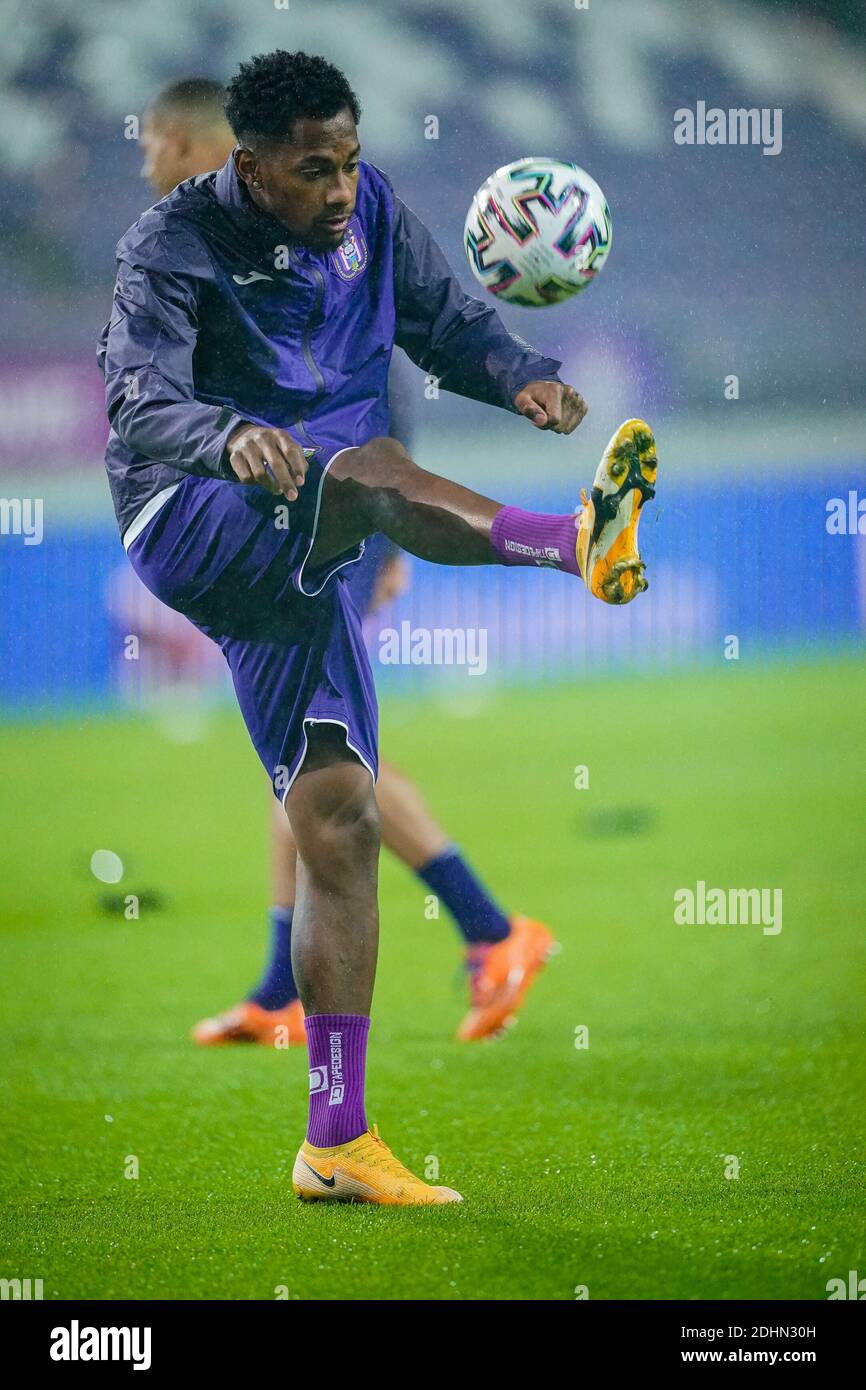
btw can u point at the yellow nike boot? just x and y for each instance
(364, 1170)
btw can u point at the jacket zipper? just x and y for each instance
(306, 340)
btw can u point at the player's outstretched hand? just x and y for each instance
(269, 457)
(551, 406)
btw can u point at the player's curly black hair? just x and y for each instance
(273, 90)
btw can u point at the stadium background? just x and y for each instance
(725, 262)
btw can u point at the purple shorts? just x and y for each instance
(292, 639)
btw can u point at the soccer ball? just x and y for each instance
(537, 232)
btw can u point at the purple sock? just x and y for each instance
(471, 906)
(535, 538)
(337, 1046)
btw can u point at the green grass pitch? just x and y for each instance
(601, 1167)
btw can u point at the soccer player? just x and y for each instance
(246, 360)
(185, 133)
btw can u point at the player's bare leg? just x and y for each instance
(378, 487)
(335, 823)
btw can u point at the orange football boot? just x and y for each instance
(364, 1170)
(250, 1023)
(500, 973)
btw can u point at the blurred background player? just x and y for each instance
(185, 133)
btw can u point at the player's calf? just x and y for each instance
(335, 823)
(378, 487)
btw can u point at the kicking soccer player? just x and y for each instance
(246, 364)
(185, 133)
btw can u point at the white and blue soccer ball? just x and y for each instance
(537, 232)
